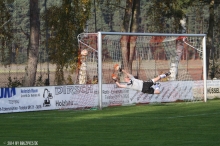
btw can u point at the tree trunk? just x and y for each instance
(179, 51)
(134, 28)
(31, 67)
(124, 39)
(125, 51)
(210, 34)
(128, 43)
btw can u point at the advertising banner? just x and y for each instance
(170, 92)
(113, 96)
(87, 96)
(26, 99)
(76, 96)
(213, 89)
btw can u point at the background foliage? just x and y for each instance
(65, 19)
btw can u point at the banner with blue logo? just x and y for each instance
(25, 99)
(86, 96)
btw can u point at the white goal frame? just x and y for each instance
(99, 42)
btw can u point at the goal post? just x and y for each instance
(204, 67)
(184, 55)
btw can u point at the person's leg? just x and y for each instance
(156, 88)
(160, 77)
(157, 91)
(156, 79)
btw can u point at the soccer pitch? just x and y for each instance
(171, 124)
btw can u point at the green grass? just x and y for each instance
(173, 124)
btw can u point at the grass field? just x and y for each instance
(173, 124)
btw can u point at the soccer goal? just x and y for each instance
(146, 55)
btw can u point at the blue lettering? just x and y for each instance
(7, 92)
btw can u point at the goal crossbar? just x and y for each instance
(99, 42)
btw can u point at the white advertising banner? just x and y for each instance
(76, 96)
(112, 95)
(213, 89)
(26, 99)
(170, 92)
(47, 98)
(86, 96)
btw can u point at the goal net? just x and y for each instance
(146, 56)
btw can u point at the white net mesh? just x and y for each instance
(152, 55)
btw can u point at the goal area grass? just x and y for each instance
(169, 124)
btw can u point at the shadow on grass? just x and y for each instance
(153, 124)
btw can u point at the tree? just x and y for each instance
(177, 9)
(5, 33)
(65, 23)
(209, 44)
(31, 67)
(168, 12)
(130, 24)
(210, 33)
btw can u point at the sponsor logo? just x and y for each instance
(28, 107)
(30, 93)
(7, 92)
(47, 95)
(13, 101)
(8, 108)
(13, 108)
(213, 90)
(64, 103)
(29, 90)
(73, 89)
